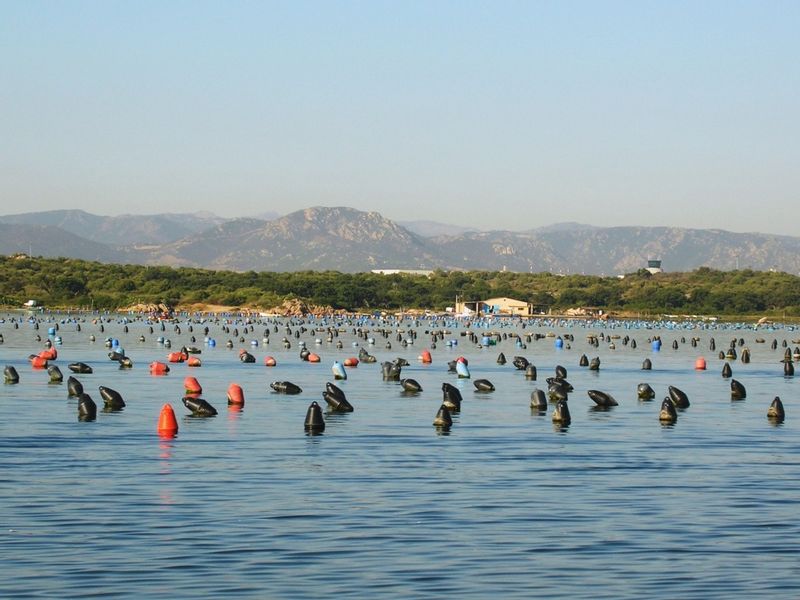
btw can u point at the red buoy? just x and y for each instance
(167, 423)
(192, 386)
(351, 362)
(176, 357)
(158, 368)
(700, 364)
(49, 354)
(235, 394)
(193, 362)
(37, 362)
(270, 361)
(425, 357)
(314, 358)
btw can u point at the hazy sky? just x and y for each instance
(498, 115)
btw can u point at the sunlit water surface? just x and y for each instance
(246, 504)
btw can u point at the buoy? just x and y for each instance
(483, 385)
(538, 400)
(334, 396)
(158, 368)
(55, 374)
(314, 422)
(425, 357)
(410, 385)
(313, 358)
(530, 372)
(176, 357)
(87, 409)
(351, 361)
(74, 387)
(193, 362)
(270, 361)
(700, 364)
(37, 362)
(167, 423)
(776, 412)
(199, 407)
(235, 394)
(112, 399)
(462, 370)
(49, 354)
(192, 386)
(79, 367)
(338, 370)
(443, 420)
(11, 375)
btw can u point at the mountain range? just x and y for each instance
(349, 240)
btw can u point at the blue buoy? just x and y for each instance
(559, 342)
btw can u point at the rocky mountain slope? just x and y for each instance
(349, 240)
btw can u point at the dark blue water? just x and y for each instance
(246, 504)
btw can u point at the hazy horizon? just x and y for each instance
(507, 115)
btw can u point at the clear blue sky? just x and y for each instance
(498, 115)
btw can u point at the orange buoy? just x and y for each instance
(425, 357)
(192, 386)
(270, 361)
(313, 357)
(700, 364)
(176, 357)
(351, 362)
(235, 394)
(463, 360)
(49, 354)
(37, 362)
(158, 368)
(167, 423)
(193, 362)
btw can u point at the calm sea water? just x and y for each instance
(245, 504)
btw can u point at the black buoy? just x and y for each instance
(55, 374)
(737, 390)
(726, 370)
(87, 409)
(285, 387)
(538, 400)
(561, 413)
(112, 399)
(443, 420)
(647, 365)
(451, 397)
(411, 385)
(314, 422)
(10, 374)
(775, 411)
(199, 407)
(678, 397)
(501, 359)
(74, 387)
(483, 385)
(594, 365)
(530, 372)
(668, 414)
(645, 392)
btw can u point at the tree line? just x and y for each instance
(73, 283)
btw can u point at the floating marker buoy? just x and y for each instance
(538, 400)
(270, 361)
(112, 399)
(55, 374)
(338, 370)
(199, 407)
(561, 414)
(74, 387)
(285, 387)
(775, 412)
(192, 386)
(158, 368)
(645, 392)
(700, 364)
(668, 414)
(425, 357)
(483, 385)
(443, 420)
(80, 367)
(193, 362)
(37, 362)
(314, 423)
(411, 385)
(87, 409)
(235, 394)
(167, 423)
(462, 370)
(351, 361)
(10, 374)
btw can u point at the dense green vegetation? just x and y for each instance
(63, 283)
